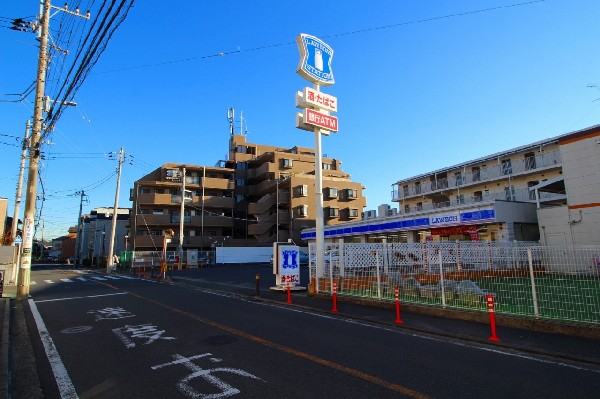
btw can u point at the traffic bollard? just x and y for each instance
(490, 305)
(289, 293)
(398, 319)
(257, 284)
(334, 309)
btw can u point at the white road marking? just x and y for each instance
(49, 281)
(99, 278)
(66, 280)
(32, 283)
(112, 278)
(81, 297)
(65, 385)
(81, 279)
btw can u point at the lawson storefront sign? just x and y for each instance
(389, 225)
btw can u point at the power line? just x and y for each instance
(354, 32)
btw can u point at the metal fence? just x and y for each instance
(526, 279)
(153, 259)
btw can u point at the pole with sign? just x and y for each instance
(315, 66)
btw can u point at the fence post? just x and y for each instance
(385, 257)
(458, 256)
(536, 310)
(489, 246)
(442, 279)
(424, 255)
(378, 275)
(341, 257)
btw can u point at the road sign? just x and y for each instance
(18, 240)
(315, 60)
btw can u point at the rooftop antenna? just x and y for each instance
(242, 120)
(230, 117)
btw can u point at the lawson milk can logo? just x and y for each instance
(315, 60)
(290, 259)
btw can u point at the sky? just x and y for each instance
(421, 85)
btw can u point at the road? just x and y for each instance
(120, 336)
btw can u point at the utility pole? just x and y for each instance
(34, 158)
(79, 237)
(111, 245)
(181, 216)
(13, 232)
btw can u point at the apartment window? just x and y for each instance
(458, 178)
(333, 212)
(476, 172)
(145, 212)
(144, 191)
(405, 190)
(240, 182)
(460, 199)
(478, 196)
(352, 213)
(506, 167)
(406, 208)
(332, 192)
(157, 212)
(303, 211)
(287, 163)
(530, 161)
(159, 191)
(419, 206)
(241, 166)
(303, 190)
(241, 149)
(509, 193)
(174, 191)
(351, 193)
(418, 187)
(532, 192)
(327, 166)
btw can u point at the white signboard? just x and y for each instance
(192, 258)
(28, 232)
(316, 99)
(286, 264)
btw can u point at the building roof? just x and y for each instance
(541, 143)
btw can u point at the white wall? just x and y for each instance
(243, 254)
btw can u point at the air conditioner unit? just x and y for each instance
(372, 214)
(392, 212)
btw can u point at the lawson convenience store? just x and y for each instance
(493, 221)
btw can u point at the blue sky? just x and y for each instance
(421, 84)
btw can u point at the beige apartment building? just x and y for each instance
(208, 212)
(275, 191)
(576, 222)
(260, 195)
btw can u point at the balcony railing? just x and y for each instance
(515, 167)
(523, 195)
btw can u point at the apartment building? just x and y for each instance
(208, 213)
(275, 191)
(94, 242)
(498, 197)
(576, 222)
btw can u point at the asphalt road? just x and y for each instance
(198, 337)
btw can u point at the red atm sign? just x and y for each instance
(321, 120)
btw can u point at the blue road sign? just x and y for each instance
(18, 240)
(315, 60)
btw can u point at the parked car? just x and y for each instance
(303, 258)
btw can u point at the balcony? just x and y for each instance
(500, 171)
(523, 195)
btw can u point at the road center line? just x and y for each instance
(80, 297)
(65, 385)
